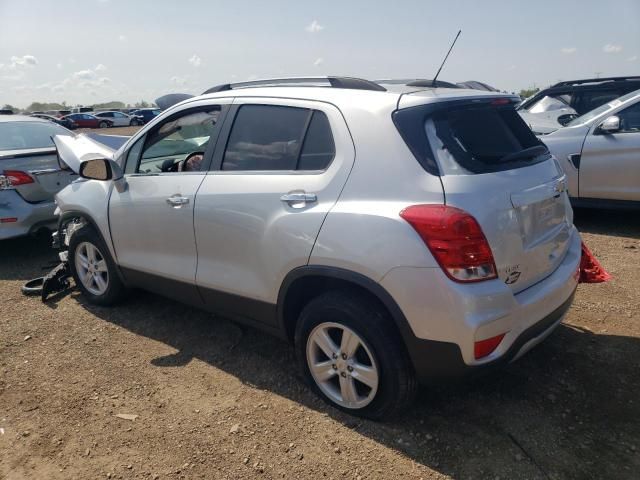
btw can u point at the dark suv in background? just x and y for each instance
(553, 107)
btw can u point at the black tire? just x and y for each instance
(397, 384)
(103, 125)
(115, 290)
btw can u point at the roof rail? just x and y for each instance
(334, 82)
(594, 80)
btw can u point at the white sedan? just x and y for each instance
(119, 119)
(600, 153)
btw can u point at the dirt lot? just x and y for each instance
(217, 401)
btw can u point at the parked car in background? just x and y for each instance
(86, 120)
(64, 121)
(146, 114)
(119, 119)
(6, 111)
(57, 113)
(29, 174)
(476, 85)
(81, 110)
(600, 152)
(357, 259)
(553, 107)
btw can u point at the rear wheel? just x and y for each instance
(93, 269)
(353, 357)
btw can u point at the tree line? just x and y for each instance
(44, 106)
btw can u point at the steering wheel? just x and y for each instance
(183, 163)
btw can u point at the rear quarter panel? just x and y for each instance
(364, 232)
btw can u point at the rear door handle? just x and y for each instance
(177, 200)
(299, 198)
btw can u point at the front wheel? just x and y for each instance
(353, 357)
(93, 268)
(103, 125)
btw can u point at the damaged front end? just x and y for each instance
(59, 278)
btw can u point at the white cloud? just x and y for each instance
(568, 50)
(58, 66)
(632, 58)
(314, 27)
(24, 60)
(100, 68)
(122, 38)
(85, 74)
(195, 60)
(19, 62)
(318, 62)
(512, 67)
(611, 48)
(179, 81)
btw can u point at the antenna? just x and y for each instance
(445, 58)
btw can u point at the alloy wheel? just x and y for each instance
(342, 365)
(91, 268)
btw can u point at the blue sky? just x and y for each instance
(86, 51)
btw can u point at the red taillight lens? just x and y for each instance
(16, 177)
(485, 347)
(455, 239)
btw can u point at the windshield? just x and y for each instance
(26, 135)
(547, 104)
(602, 109)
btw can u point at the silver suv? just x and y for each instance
(394, 234)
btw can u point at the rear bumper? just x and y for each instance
(446, 319)
(31, 216)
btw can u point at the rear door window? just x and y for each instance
(268, 137)
(318, 149)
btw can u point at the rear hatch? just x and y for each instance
(28, 159)
(493, 167)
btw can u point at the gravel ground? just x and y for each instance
(212, 400)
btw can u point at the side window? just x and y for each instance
(318, 149)
(134, 155)
(588, 101)
(265, 137)
(179, 144)
(630, 119)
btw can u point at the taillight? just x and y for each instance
(455, 240)
(16, 177)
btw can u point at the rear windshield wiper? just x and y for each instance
(530, 152)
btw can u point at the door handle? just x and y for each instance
(177, 200)
(299, 199)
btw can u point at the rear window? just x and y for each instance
(26, 135)
(462, 138)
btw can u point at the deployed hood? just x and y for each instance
(540, 123)
(72, 151)
(171, 99)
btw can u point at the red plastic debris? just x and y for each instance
(590, 269)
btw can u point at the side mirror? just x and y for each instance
(610, 125)
(101, 169)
